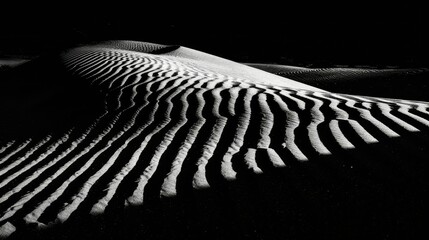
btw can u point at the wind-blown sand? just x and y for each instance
(135, 140)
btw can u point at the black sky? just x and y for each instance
(350, 35)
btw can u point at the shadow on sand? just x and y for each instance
(371, 192)
(40, 97)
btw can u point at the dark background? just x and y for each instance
(303, 34)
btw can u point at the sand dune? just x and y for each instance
(388, 82)
(174, 123)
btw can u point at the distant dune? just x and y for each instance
(12, 62)
(133, 140)
(404, 83)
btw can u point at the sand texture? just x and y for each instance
(131, 140)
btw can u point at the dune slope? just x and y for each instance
(403, 83)
(140, 140)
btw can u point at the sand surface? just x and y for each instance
(404, 83)
(134, 140)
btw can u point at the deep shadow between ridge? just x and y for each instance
(374, 191)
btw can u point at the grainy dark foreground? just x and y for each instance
(130, 140)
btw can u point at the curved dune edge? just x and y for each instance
(398, 83)
(178, 120)
(206, 61)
